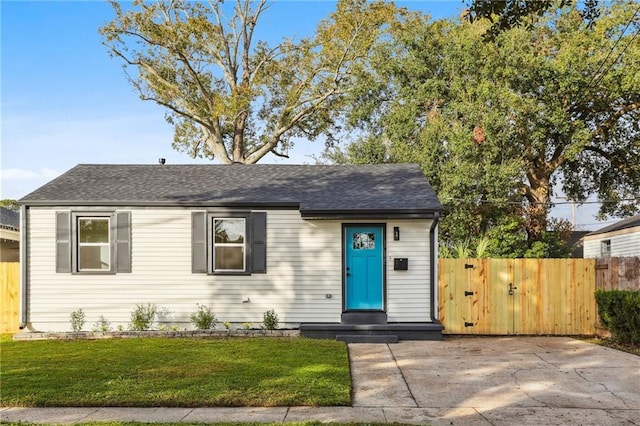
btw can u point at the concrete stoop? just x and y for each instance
(372, 333)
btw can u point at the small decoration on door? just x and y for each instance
(364, 241)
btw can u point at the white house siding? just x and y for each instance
(408, 292)
(304, 265)
(625, 242)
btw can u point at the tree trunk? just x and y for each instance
(238, 138)
(538, 194)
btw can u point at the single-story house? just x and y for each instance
(336, 250)
(9, 235)
(620, 239)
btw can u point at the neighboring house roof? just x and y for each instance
(629, 222)
(576, 243)
(9, 219)
(314, 189)
(9, 226)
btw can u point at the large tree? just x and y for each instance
(499, 125)
(229, 96)
(507, 14)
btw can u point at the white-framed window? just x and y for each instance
(94, 243)
(605, 248)
(229, 244)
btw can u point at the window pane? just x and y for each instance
(364, 241)
(93, 230)
(229, 230)
(229, 258)
(93, 257)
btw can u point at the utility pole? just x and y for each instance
(573, 210)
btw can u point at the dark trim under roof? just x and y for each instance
(393, 190)
(629, 222)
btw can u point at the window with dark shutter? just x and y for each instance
(63, 242)
(259, 242)
(93, 242)
(123, 242)
(199, 242)
(229, 242)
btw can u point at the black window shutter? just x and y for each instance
(123, 242)
(199, 242)
(63, 242)
(259, 242)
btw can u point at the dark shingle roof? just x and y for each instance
(9, 219)
(398, 188)
(629, 222)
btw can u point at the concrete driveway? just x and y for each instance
(498, 381)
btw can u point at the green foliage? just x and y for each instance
(142, 317)
(158, 372)
(619, 312)
(203, 318)
(77, 320)
(227, 325)
(507, 14)
(270, 320)
(102, 325)
(498, 126)
(10, 204)
(246, 326)
(507, 238)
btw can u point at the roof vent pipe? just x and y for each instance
(162, 161)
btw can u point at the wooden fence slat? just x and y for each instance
(10, 291)
(550, 296)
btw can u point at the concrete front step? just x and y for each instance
(403, 331)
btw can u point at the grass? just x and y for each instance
(150, 372)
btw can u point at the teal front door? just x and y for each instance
(363, 267)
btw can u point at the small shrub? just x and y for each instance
(120, 327)
(270, 320)
(142, 317)
(203, 318)
(619, 312)
(102, 325)
(247, 325)
(77, 320)
(227, 325)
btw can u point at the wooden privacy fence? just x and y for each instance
(517, 296)
(10, 290)
(618, 273)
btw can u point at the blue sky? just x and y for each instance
(65, 101)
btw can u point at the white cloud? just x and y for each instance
(17, 182)
(18, 174)
(23, 174)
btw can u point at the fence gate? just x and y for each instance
(517, 296)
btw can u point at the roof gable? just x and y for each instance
(629, 222)
(311, 188)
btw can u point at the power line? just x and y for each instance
(593, 77)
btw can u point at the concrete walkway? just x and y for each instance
(459, 381)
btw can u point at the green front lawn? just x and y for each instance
(150, 372)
